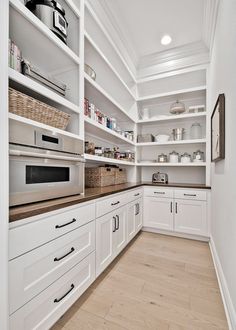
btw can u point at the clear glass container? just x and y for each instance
(162, 158)
(174, 157)
(198, 156)
(185, 158)
(177, 108)
(196, 131)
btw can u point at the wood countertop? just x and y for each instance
(33, 209)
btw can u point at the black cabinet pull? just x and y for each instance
(58, 300)
(118, 222)
(159, 192)
(66, 224)
(116, 203)
(137, 209)
(191, 195)
(137, 194)
(114, 225)
(171, 207)
(58, 259)
(176, 208)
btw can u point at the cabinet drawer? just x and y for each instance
(35, 271)
(46, 308)
(191, 194)
(159, 192)
(111, 203)
(134, 194)
(31, 235)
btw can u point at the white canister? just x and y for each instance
(145, 113)
(186, 158)
(174, 157)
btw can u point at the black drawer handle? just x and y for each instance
(191, 195)
(137, 194)
(58, 259)
(176, 208)
(171, 207)
(159, 192)
(58, 300)
(66, 224)
(116, 203)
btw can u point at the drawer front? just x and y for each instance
(46, 308)
(158, 192)
(109, 204)
(134, 194)
(35, 271)
(191, 194)
(31, 235)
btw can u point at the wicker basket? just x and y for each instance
(99, 177)
(120, 176)
(28, 107)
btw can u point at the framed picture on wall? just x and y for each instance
(218, 130)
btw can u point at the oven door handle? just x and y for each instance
(14, 152)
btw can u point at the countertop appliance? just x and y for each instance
(52, 14)
(43, 164)
(159, 177)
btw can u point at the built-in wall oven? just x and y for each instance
(44, 164)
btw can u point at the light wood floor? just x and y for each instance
(159, 283)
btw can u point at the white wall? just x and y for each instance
(222, 79)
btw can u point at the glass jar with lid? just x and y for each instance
(198, 156)
(185, 158)
(196, 131)
(162, 158)
(174, 157)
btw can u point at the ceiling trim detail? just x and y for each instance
(210, 18)
(159, 63)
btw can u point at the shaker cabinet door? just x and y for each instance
(158, 213)
(120, 240)
(191, 217)
(105, 228)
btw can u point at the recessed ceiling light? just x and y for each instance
(166, 40)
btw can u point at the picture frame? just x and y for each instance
(218, 130)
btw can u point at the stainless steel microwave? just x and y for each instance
(43, 164)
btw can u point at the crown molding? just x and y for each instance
(173, 59)
(209, 22)
(116, 37)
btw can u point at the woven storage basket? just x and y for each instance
(99, 177)
(120, 176)
(28, 107)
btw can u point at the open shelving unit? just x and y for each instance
(115, 92)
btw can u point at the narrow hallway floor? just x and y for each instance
(159, 283)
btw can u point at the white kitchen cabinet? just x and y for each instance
(46, 308)
(190, 217)
(158, 213)
(134, 218)
(111, 237)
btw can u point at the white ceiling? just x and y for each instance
(142, 23)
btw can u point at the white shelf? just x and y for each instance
(152, 144)
(43, 126)
(37, 88)
(94, 128)
(173, 93)
(73, 7)
(172, 118)
(98, 50)
(100, 159)
(29, 17)
(171, 164)
(106, 95)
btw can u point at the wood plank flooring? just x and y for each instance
(159, 283)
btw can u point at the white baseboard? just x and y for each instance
(176, 234)
(227, 301)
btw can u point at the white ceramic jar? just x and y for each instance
(196, 131)
(174, 157)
